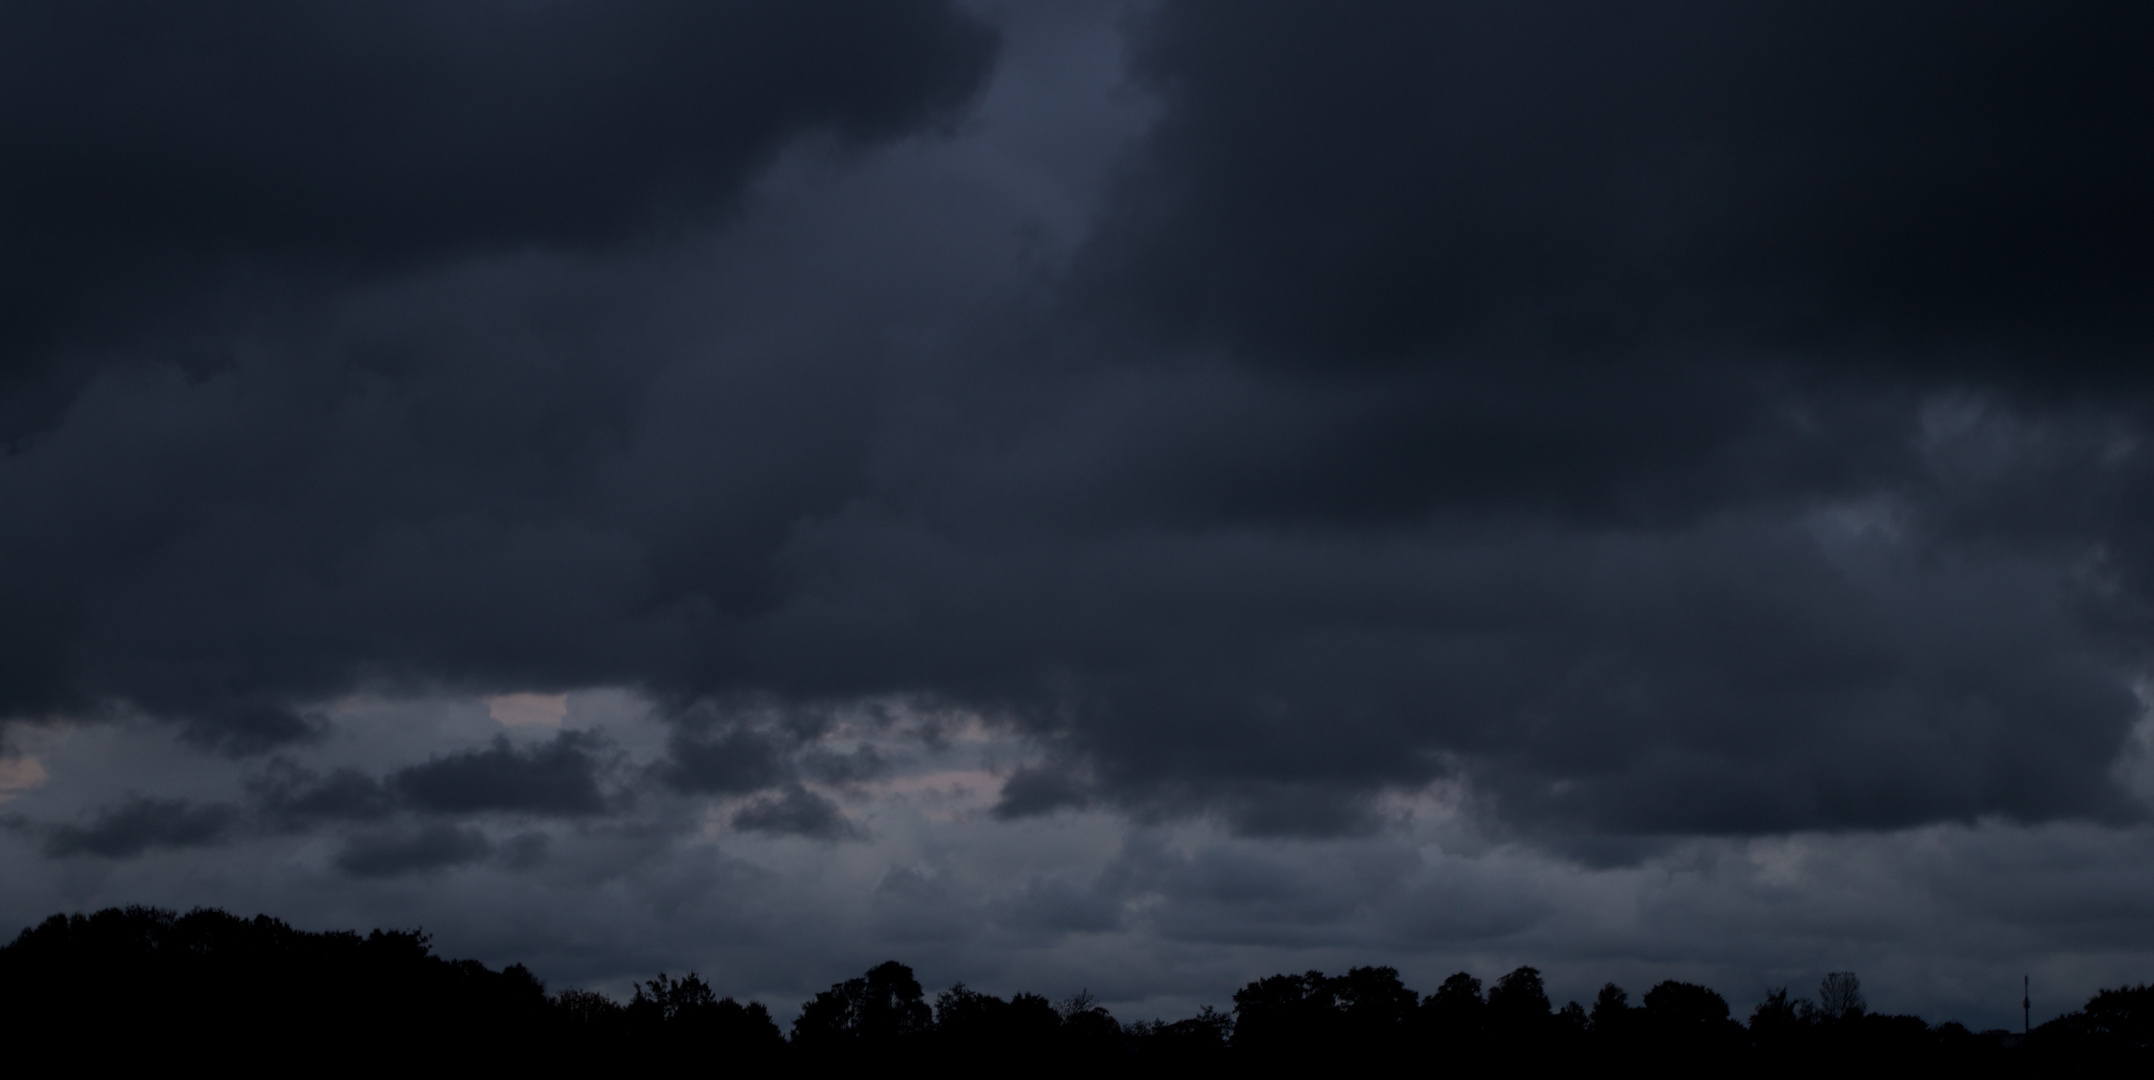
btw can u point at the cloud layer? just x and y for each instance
(1647, 434)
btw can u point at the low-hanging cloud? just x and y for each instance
(140, 823)
(395, 852)
(558, 777)
(292, 795)
(795, 811)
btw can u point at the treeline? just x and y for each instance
(139, 985)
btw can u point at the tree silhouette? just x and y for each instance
(678, 1016)
(588, 1009)
(1839, 996)
(2115, 1029)
(140, 988)
(877, 1012)
(1778, 1025)
(2122, 1018)
(1611, 1021)
(1197, 1041)
(1089, 1031)
(1377, 1008)
(123, 986)
(1454, 1019)
(1686, 1018)
(975, 1027)
(1285, 1015)
(1366, 1011)
(1518, 1010)
(1685, 1006)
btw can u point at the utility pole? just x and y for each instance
(2026, 1006)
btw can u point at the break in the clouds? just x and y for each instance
(1209, 442)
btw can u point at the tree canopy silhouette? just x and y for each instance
(876, 1012)
(141, 986)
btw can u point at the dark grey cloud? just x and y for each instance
(249, 723)
(1662, 420)
(1620, 265)
(922, 910)
(396, 852)
(186, 183)
(526, 850)
(558, 777)
(140, 823)
(1560, 319)
(725, 759)
(1920, 184)
(1371, 488)
(1058, 905)
(861, 764)
(291, 795)
(156, 150)
(1747, 676)
(795, 811)
(1229, 894)
(1040, 789)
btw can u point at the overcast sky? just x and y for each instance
(1090, 496)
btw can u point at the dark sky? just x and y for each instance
(1084, 495)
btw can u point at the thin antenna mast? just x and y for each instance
(2026, 1006)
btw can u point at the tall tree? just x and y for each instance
(876, 1011)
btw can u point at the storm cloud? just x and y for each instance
(158, 152)
(794, 811)
(1672, 419)
(139, 823)
(1585, 439)
(1925, 185)
(557, 777)
(432, 847)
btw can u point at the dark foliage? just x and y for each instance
(137, 986)
(1518, 1010)
(983, 1028)
(877, 1013)
(2117, 1025)
(1365, 1012)
(1690, 1022)
(128, 985)
(683, 1015)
